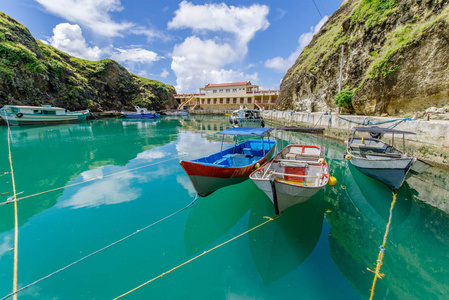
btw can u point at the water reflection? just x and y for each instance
(212, 217)
(372, 200)
(110, 190)
(287, 254)
(282, 246)
(48, 157)
(416, 248)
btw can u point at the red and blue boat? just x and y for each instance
(233, 165)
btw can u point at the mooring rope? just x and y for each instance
(100, 250)
(84, 181)
(12, 200)
(380, 257)
(368, 122)
(198, 256)
(16, 214)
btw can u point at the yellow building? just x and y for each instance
(228, 96)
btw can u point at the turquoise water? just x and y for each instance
(125, 175)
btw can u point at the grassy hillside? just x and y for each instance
(33, 73)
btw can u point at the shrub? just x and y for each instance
(344, 98)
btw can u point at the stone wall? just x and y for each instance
(431, 141)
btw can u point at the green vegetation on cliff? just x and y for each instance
(34, 73)
(395, 59)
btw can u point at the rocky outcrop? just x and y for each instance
(395, 59)
(33, 73)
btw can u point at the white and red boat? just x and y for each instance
(294, 175)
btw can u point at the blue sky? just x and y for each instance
(184, 43)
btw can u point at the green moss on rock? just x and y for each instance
(34, 73)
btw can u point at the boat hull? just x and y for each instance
(287, 194)
(30, 119)
(140, 116)
(392, 172)
(207, 178)
(286, 189)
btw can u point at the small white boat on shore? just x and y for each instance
(295, 174)
(246, 118)
(27, 115)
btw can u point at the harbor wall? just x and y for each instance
(431, 141)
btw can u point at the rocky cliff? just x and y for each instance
(33, 73)
(395, 59)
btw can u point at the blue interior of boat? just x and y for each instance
(243, 154)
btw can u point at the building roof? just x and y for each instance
(228, 84)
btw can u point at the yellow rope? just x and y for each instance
(93, 179)
(198, 256)
(380, 257)
(16, 217)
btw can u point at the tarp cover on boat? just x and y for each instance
(375, 129)
(246, 131)
(302, 129)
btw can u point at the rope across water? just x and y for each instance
(93, 179)
(14, 293)
(198, 256)
(380, 256)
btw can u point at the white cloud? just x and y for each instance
(198, 61)
(280, 13)
(185, 182)
(195, 53)
(244, 22)
(164, 73)
(6, 245)
(281, 64)
(110, 190)
(151, 154)
(69, 38)
(135, 55)
(185, 141)
(135, 58)
(94, 14)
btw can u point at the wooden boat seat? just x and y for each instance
(287, 163)
(365, 145)
(307, 160)
(304, 183)
(247, 151)
(299, 156)
(389, 155)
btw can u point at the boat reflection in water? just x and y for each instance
(212, 218)
(372, 199)
(282, 246)
(416, 249)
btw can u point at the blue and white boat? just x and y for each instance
(377, 159)
(141, 113)
(46, 114)
(233, 165)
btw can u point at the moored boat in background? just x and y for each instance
(46, 114)
(375, 158)
(246, 118)
(233, 165)
(141, 113)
